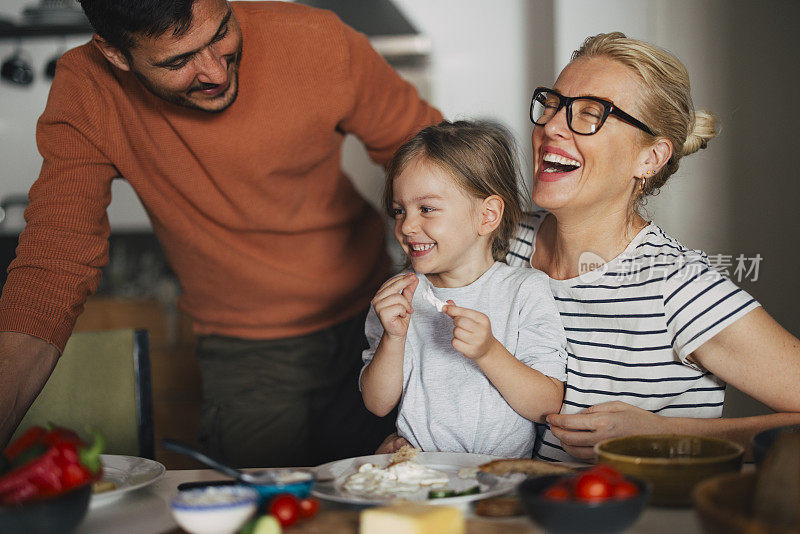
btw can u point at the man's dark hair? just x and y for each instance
(118, 21)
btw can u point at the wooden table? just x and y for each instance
(146, 511)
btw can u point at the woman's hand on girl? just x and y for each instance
(392, 303)
(472, 332)
(581, 431)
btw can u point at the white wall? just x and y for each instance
(479, 66)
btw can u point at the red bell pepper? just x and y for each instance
(47, 462)
(28, 439)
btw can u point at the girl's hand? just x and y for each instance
(393, 443)
(392, 303)
(581, 431)
(472, 332)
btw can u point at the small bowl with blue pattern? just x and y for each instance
(214, 509)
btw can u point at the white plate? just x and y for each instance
(448, 462)
(128, 473)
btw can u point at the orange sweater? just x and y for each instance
(267, 236)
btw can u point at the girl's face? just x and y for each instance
(438, 227)
(601, 175)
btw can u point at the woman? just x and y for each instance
(654, 333)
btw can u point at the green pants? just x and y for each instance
(287, 402)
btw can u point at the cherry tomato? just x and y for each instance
(308, 507)
(624, 489)
(557, 493)
(592, 487)
(607, 472)
(286, 509)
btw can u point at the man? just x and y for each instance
(227, 120)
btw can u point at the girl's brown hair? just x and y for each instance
(482, 161)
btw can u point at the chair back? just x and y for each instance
(102, 381)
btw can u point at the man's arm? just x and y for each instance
(64, 245)
(25, 365)
(386, 109)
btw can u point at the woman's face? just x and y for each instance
(602, 170)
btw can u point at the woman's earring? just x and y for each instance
(644, 179)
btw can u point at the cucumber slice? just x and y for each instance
(441, 494)
(471, 491)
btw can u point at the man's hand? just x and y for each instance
(581, 431)
(25, 365)
(472, 332)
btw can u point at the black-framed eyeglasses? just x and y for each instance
(585, 114)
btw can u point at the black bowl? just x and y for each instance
(58, 514)
(579, 517)
(764, 440)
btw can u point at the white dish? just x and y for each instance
(128, 473)
(214, 509)
(448, 462)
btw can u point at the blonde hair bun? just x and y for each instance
(704, 129)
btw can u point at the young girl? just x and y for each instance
(472, 349)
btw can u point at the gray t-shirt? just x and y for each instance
(448, 404)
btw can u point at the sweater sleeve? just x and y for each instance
(386, 110)
(65, 242)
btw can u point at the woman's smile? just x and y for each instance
(556, 164)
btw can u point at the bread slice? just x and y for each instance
(406, 453)
(527, 466)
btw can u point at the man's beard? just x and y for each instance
(183, 100)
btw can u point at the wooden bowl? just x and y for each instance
(763, 441)
(724, 505)
(672, 464)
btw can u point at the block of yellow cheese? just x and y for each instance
(412, 519)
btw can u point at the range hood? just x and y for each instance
(389, 31)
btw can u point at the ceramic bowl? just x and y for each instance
(298, 482)
(214, 509)
(579, 517)
(724, 505)
(58, 514)
(763, 441)
(673, 464)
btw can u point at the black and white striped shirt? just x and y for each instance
(631, 324)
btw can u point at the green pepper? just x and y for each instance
(470, 491)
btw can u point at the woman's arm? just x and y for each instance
(754, 354)
(757, 356)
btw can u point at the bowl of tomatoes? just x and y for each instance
(599, 499)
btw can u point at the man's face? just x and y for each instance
(197, 69)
